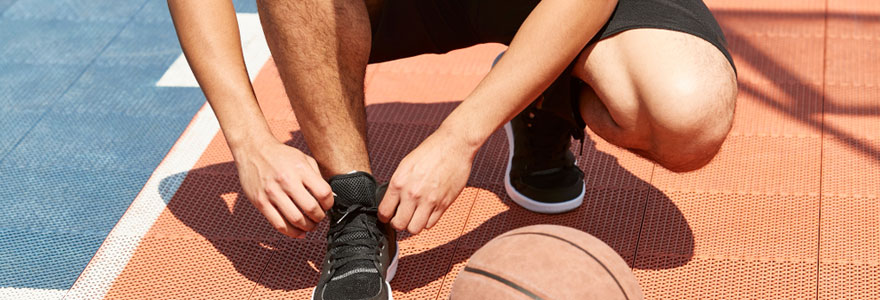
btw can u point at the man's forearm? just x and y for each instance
(209, 37)
(550, 38)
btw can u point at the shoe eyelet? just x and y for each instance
(529, 125)
(531, 115)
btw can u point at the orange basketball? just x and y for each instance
(546, 262)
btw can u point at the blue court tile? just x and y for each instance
(64, 199)
(157, 10)
(245, 6)
(34, 86)
(143, 43)
(75, 10)
(54, 41)
(44, 260)
(15, 124)
(98, 141)
(154, 11)
(4, 4)
(130, 91)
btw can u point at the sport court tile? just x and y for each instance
(44, 258)
(612, 215)
(54, 41)
(292, 272)
(852, 87)
(724, 278)
(726, 225)
(210, 205)
(753, 165)
(153, 11)
(850, 231)
(97, 142)
(857, 19)
(171, 268)
(851, 166)
(474, 60)
(848, 256)
(4, 4)
(431, 78)
(74, 10)
(742, 246)
(849, 280)
(143, 44)
(35, 87)
(780, 90)
(386, 87)
(421, 272)
(775, 46)
(63, 199)
(130, 91)
(459, 260)
(768, 6)
(16, 125)
(778, 51)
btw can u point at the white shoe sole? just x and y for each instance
(528, 203)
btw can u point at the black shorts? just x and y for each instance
(411, 27)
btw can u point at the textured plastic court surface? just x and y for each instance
(789, 209)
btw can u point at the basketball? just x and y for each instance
(546, 262)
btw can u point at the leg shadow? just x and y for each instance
(620, 208)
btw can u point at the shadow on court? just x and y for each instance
(210, 202)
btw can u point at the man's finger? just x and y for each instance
(320, 190)
(278, 222)
(288, 210)
(420, 217)
(404, 213)
(388, 205)
(435, 217)
(306, 202)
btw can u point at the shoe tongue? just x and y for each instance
(354, 188)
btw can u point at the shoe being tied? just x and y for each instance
(361, 251)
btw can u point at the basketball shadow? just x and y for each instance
(620, 208)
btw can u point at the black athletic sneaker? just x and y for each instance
(361, 252)
(542, 175)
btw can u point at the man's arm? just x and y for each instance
(431, 177)
(282, 182)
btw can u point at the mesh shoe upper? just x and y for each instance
(353, 265)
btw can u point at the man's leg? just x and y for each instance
(321, 48)
(665, 95)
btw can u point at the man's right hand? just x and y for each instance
(284, 184)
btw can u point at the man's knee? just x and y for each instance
(689, 129)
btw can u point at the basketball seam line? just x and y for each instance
(502, 280)
(625, 295)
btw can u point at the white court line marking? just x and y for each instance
(114, 254)
(253, 43)
(8, 293)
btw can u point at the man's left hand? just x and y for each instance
(426, 182)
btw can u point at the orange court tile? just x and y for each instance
(172, 268)
(722, 278)
(753, 164)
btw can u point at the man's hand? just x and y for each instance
(426, 182)
(284, 184)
